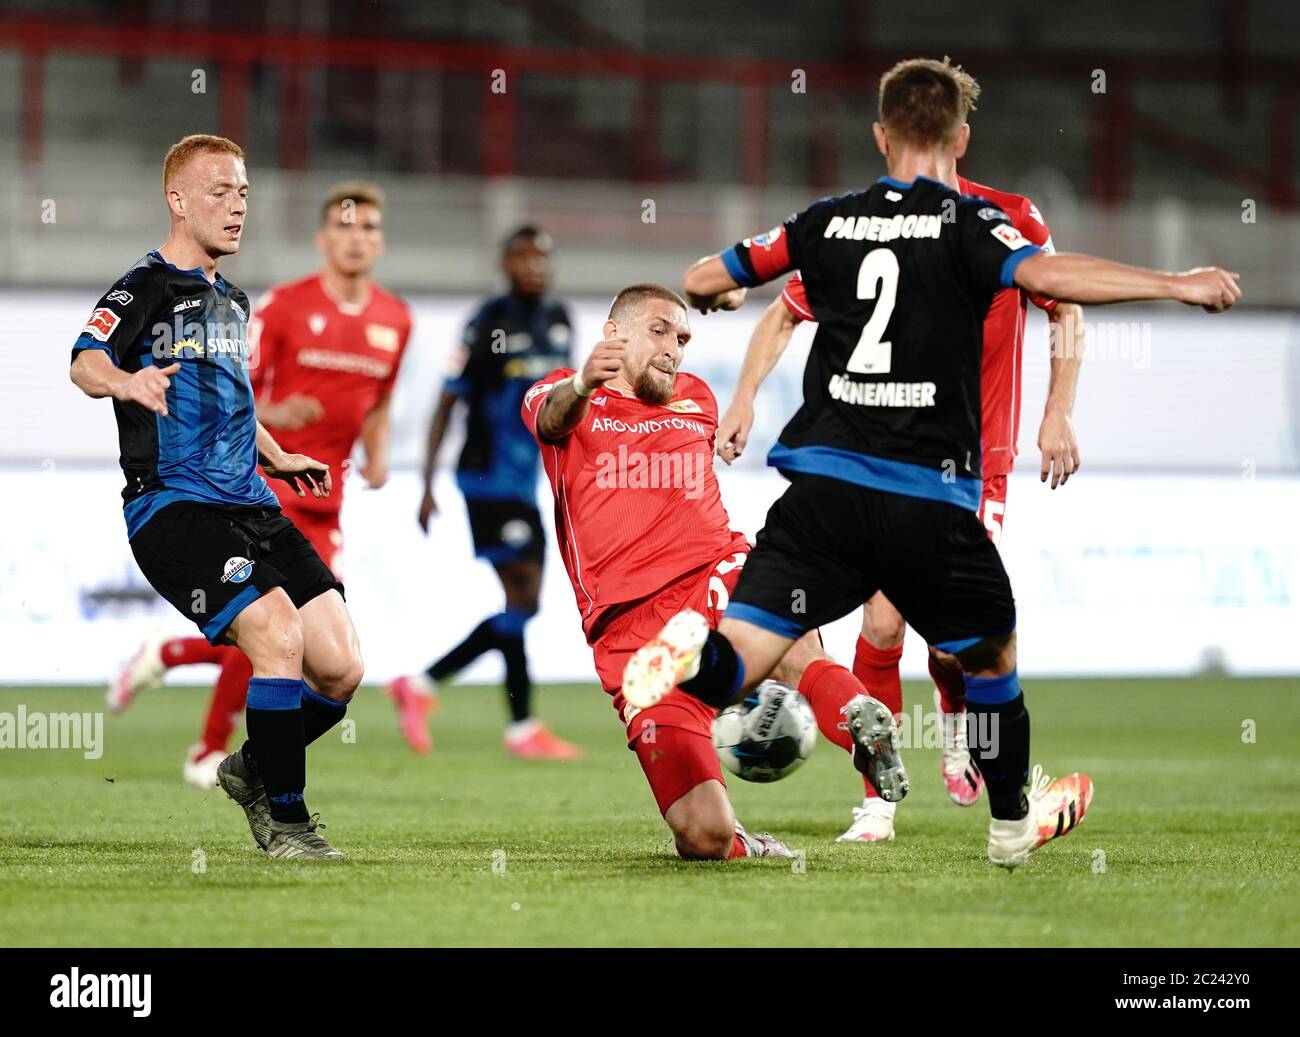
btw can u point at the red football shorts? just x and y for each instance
(674, 738)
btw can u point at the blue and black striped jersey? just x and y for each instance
(508, 345)
(205, 448)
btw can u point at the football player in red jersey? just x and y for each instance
(326, 353)
(627, 445)
(880, 644)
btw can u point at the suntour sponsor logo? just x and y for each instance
(213, 340)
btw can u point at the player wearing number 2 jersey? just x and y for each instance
(880, 644)
(884, 455)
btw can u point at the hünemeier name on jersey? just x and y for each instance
(881, 394)
(883, 228)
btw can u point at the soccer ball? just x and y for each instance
(766, 736)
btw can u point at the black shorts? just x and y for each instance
(506, 531)
(829, 545)
(211, 561)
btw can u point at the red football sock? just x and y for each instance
(877, 669)
(228, 697)
(184, 651)
(828, 687)
(737, 849)
(951, 682)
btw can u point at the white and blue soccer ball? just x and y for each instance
(766, 736)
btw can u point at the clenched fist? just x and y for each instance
(605, 362)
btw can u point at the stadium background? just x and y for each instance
(643, 135)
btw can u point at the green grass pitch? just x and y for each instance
(1192, 839)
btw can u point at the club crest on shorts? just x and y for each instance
(237, 570)
(516, 533)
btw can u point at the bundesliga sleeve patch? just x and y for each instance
(1010, 237)
(101, 324)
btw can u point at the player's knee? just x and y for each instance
(342, 677)
(704, 839)
(270, 632)
(883, 628)
(798, 657)
(993, 654)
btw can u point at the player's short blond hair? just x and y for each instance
(925, 102)
(195, 144)
(633, 296)
(358, 192)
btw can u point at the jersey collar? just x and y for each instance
(218, 283)
(903, 185)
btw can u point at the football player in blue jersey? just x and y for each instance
(510, 342)
(168, 344)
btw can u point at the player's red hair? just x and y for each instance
(196, 143)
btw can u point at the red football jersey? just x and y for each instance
(637, 506)
(1004, 335)
(308, 343)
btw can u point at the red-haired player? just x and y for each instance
(327, 349)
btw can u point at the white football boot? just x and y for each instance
(201, 771)
(762, 844)
(145, 670)
(1056, 808)
(662, 664)
(961, 777)
(873, 822)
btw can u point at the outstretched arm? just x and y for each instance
(708, 286)
(766, 345)
(1088, 279)
(563, 409)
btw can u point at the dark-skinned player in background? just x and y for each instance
(883, 457)
(510, 342)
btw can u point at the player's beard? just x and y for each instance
(654, 389)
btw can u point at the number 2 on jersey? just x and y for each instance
(877, 279)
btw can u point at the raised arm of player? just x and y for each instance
(1089, 279)
(437, 430)
(1056, 437)
(95, 374)
(770, 337)
(563, 409)
(708, 286)
(298, 470)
